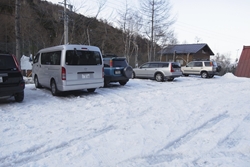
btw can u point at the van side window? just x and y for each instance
(51, 58)
(45, 59)
(55, 58)
(83, 57)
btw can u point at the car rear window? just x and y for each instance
(83, 57)
(119, 63)
(7, 62)
(176, 65)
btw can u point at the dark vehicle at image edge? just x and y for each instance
(116, 69)
(11, 79)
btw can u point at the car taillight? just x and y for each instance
(211, 63)
(171, 68)
(111, 63)
(63, 73)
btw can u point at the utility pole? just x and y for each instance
(17, 30)
(66, 20)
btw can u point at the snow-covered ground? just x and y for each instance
(188, 122)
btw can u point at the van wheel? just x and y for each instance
(19, 96)
(204, 74)
(53, 88)
(159, 77)
(91, 90)
(37, 84)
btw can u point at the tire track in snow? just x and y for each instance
(36, 152)
(160, 157)
(228, 143)
(190, 134)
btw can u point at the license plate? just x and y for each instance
(1, 79)
(117, 72)
(85, 75)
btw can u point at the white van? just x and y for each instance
(68, 67)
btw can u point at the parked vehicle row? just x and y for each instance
(76, 67)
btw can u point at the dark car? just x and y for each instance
(11, 79)
(116, 69)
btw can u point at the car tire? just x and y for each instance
(128, 72)
(159, 77)
(211, 76)
(36, 81)
(19, 96)
(204, 74)
(53, 88)
(123, 82)
(91, 90)
(133, 75)
(106, 82)
(170, 79)
(186, 75)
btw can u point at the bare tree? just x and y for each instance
(130, 24)
(124, 23)
(136, 29)
(17, 30)
(101, 5)
(223, 61)
(157, 22)
(166, 40)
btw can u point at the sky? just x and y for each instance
(190, 122)
(222, 24)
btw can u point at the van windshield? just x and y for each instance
(79, 57)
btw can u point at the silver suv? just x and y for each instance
(207, 69)
(158, 71)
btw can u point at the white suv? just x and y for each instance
(207, 69)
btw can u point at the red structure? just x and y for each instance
(243, 68)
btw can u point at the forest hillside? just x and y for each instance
(41, 25)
